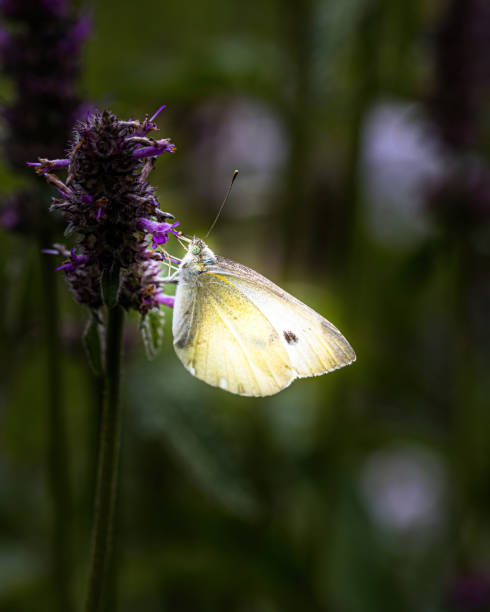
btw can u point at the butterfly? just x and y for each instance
(235, 329)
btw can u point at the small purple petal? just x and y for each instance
(166, 300)
(74, 262)
(157, 113)
(161, 146)
(49, 252)
(158, 230)
(59, 163)
(63, 193)
(45, 165)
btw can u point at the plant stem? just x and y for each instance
(110, 433)
(57, 448)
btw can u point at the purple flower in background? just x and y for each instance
(40, 53)
(110, 206)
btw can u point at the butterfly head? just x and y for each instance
(198, 257)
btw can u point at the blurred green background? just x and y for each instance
(361, 132)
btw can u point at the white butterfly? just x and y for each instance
(236, 330)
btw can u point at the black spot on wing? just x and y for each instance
(291, 337)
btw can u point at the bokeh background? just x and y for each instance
(361, 129)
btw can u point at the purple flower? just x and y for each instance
(159, 231)
(74, 262)
(166, 300)
(156, 148)
(110, 207)
(43, 166)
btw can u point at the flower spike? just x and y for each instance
(111, 208)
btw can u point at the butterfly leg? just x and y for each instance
(171, 280)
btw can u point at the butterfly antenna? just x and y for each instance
(235, 174)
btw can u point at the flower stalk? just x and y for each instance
(107, 476)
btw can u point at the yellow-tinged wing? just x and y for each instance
(224, 339)
(313, 344)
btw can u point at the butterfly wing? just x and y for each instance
(313, 344)
(224, 339)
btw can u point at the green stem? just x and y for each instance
(57, 448)
(110, 434)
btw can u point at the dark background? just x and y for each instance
(361, 132)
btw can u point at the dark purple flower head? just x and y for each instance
(111, 208)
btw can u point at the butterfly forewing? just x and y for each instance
(313, 344)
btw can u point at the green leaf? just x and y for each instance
(111, 284)
(92, 342)
(152, 332)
